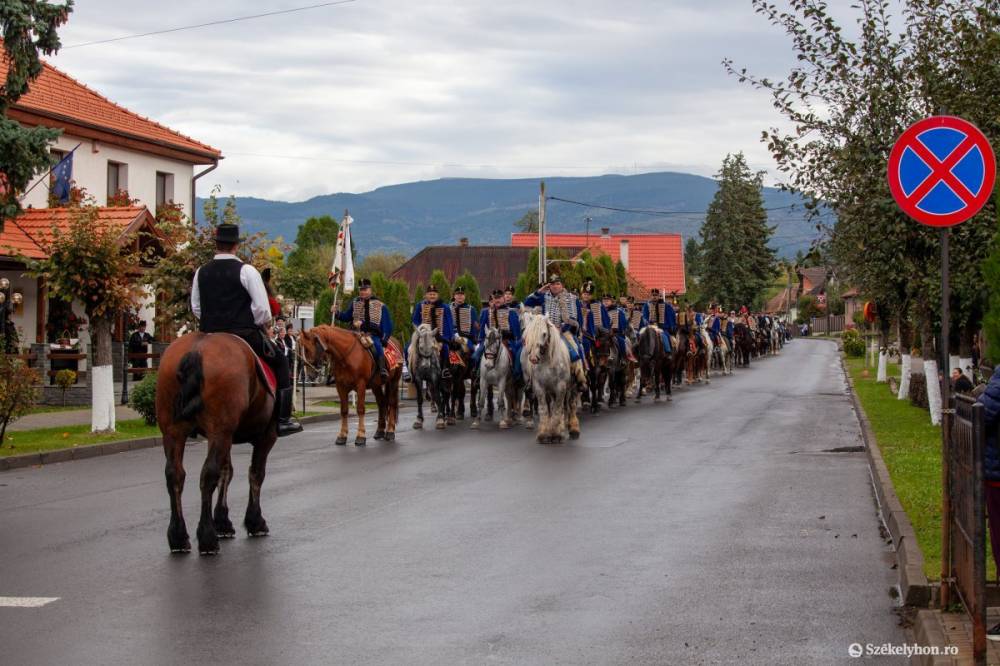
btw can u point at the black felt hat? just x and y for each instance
(227, 233)
(364, 283)
(458, 290)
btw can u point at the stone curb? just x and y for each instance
(107, 448)
(915, 589)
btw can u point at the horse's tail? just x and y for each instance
(190, 377)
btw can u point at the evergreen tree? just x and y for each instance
(735, 261)
(28, 29)
(471, 286)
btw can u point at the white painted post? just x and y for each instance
(904, 380)
(933, 390)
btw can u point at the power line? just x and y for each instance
(210, 23)
(404, 163)
(643, 211)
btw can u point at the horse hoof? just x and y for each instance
(451, 420)
(440, 425)
(181, 550)
(208, 551)
(390, 437)
(341, 441)
(488, 418)
(504, 425)
(379, 434)
(360, 441)
(225, 531)
(574, 434)
(417, 425)
(475, 424)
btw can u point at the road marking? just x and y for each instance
(26, 602)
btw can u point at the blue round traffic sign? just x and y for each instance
(941, 171)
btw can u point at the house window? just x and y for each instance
(164, 188)
(57, 157)
(117, 178)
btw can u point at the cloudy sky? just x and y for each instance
(375, 92)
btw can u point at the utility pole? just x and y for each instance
(587, 220)
(541, 234)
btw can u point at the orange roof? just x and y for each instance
(654, 260)
(30, 232)
(56, 99)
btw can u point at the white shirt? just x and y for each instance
(251, 281)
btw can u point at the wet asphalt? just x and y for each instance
(713, 529)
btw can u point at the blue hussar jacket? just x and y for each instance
(990, 400)
(383, 330)
(446, 326)
(513, 322)
(590, 325)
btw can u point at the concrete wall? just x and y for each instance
(90, 171)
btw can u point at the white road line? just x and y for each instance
(26, 602)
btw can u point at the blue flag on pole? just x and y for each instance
(62, 177)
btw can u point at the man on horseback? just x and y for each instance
(432, 311)
(465, 318)
(371, 316)
(229, 296)
(618, 322)
(660, 315)
(563, 309)
(508, 298)
(595, 317)
(505, 319)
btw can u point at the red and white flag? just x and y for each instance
(342, 271)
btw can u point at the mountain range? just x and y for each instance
(409, 216)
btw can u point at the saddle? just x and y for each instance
(264, 372)
(456, 358)
(393, 356)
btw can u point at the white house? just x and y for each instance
(116, 151)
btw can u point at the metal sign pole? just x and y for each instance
(302, 328)
(945, 421)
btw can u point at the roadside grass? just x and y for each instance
(48, 409)
(911, 447)
(67, 437)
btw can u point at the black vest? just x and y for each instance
(225, 303)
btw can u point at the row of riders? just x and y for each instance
(540, 358)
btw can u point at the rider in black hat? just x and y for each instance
(229, 296)
(370, 315)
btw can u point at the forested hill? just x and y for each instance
(438, 212)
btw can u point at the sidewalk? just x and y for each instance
(70, 417)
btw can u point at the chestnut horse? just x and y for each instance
(353, 368)
(208, 383)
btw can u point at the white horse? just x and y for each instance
(547, 366)
(495, 370)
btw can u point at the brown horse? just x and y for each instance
(209, 384)
(353, 368)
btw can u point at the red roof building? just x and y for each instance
(655, 261)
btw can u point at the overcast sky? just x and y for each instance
(348, 98)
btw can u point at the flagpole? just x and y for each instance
(49, 174)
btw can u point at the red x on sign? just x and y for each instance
(941, 171)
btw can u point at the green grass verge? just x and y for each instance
(48, 409)
(67, 437)
(911, 447)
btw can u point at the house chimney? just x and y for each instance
(463, 241)
(623, 253)
(605, 232)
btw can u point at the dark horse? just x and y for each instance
(682, 350)
(460, 373)
(354, 368)
(597, 367)
(656, 366)
(743, 341)
(210, 384)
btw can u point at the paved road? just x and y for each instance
(713, 529)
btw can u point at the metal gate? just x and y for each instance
(967, 515)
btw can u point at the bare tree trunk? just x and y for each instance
(966, 339)
(885, 325)
(102, 386)
(930, 364)
(905, 347)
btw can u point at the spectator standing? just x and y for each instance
(138, 344)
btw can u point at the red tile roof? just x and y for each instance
(493, 266)
(61, 99)
(654, 260)
(30, 232)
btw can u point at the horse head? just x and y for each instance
(538, 339)
(312, 349)
(492, 347)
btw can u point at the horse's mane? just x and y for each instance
(535, 326)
